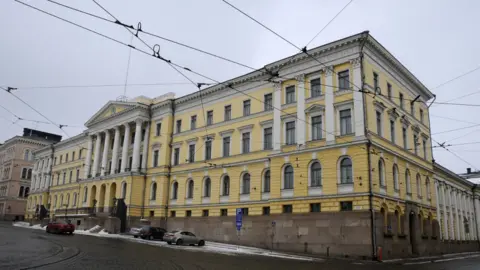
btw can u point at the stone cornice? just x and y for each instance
(379, 105)
(393, 113)
(315, 108)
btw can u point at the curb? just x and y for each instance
(439, 258)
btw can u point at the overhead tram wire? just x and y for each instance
(453, 153)
(98, 85)
(456, 78)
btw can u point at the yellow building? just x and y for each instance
(328, 153)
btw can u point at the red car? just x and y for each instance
(60, 227)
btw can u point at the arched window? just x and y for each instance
(26, 155)
(346, 171)
(67, 202)
(20, 193)
(427, 188)
(288, 177)
(55, 202)
(246, 184)
(124, 190)
(27, 190)
(408, 182)
(396, 186)
(419, 186)
(29, 174)
(226, 185)
(190, 187)
(74, 199)
(381, 173)
(175, 191)
(266, 181)
(153, 191)
(207, 187)
(61, 201)
(85, 194)
(316, 174)
(24, 173)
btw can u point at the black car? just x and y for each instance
(149, 232)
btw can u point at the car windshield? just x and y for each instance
(173, 231)
(146, 228)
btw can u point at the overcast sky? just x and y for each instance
(435, 40)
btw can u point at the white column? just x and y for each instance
(472, 215)
(476, 215)
(329, 110)
(452, 204)
(438, 207)
(96, 155)
(116, 143)
(126, 143)
(445, 214)
(145, 148)
(88, 157)
(358, 98)
(300, 125)
(462, 215)
(106, 147)
(277, 120)
(455, 198)
(136, 146)
(45, 166)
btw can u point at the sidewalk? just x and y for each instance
(434, 259)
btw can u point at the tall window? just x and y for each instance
(246, 184)
(176, 156)
(175, 191)
(267, 138)
(379, 123)
(268, 104)
(288, 177)
(346, 171)
(228, 113)
(73, 156)
(415, 143)
(66, 157)
(427, 188)
(315, 88)
(26, 155)
(226, 146)
(153, 191)
(396, 185)
(392, 131)
(78, 174)
(246, 107)
(345, 122)
(70, 177)
(419, 186)
(85, 194)
(424, 143)
(20, 193)
(29, 174)
(316, 174)
(421, 116)
(61, 159)
(376, 87)
(381, 173)
(405, 138)
(24, 173)
(207, 187)
(290, 94)
(226, 186)
(245, 142)
(266, 181)
(193, 122)
(155, 158)
(158, 130)
(401, 100)
(64, 177)
(317, 128)
(124, 190)
(74, 203)
(407, 182)
(190, 189)
(209, 118)
(290, 133)
(208, 150)
(344, 80)
(191, 153)
(179, 126)
(389, 91)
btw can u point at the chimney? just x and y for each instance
(469, 170)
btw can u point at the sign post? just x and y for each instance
(238, 222)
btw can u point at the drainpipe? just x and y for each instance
(172, 122)
(146, 161)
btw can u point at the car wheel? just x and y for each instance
(179, 242)
(70, 233)
(201, 243)
(151, 237)
(136, 236)
(47, 230)
(143, 237)
(169, 242)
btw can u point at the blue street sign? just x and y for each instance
(238, 218)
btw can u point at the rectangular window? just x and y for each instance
(376, 88)
(315, 88)
(61, 159)
(246, 142)
(317, 128)
(70, 177)
(246, 107)
(287, 208)
(155, 158)
(209, 118)
(143, 135)
(191, 153)
(122, 140)
(346, 206)
(130, 162)
(389, 91)
(415, 144)
(228, 113)
(223, 212)
(412, 109)
(55, 161)
(176, 156)
(179, 126)
(78, 175)
(424, 149)
(392, 131)
(208, 150)
(64, 178)
(245, 211)
(205, 213)
(66, 158)
(379, 123)
(315, 207)
(266, 210)
(132, 138)
(267, 138)
(268, 105)
(80, 153)
(226, 146)
(73, 156)
(345, 122)
(344, 80)
(158, 130)
(188, 213)
(290, 94)
(405, 138)
(173, 214)
(421, 116)
(193, 122)
(290, 133)
(401, 100)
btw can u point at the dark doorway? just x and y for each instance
(412, 232)
(119, 210)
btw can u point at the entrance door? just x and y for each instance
(412, 232)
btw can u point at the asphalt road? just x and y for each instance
(22, 248)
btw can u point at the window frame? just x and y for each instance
(343, 80)
(247, 107)
(290, 94)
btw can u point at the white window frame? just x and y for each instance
(244, 196)
(285, 93)
(153, 157)
(314, 190)
(312, 115)
(265, 125)
(286, 120)
(286, 193)
(345, 187)
(310, 79)
(156, 128)
(152, 197)
(242, 131)
(340, 107)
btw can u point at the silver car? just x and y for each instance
(183, 238)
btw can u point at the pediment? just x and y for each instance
(111, 109)
(315, 108)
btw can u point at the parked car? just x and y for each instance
(60, 227)
(183, 238)
(135, 232)
(150, 233)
